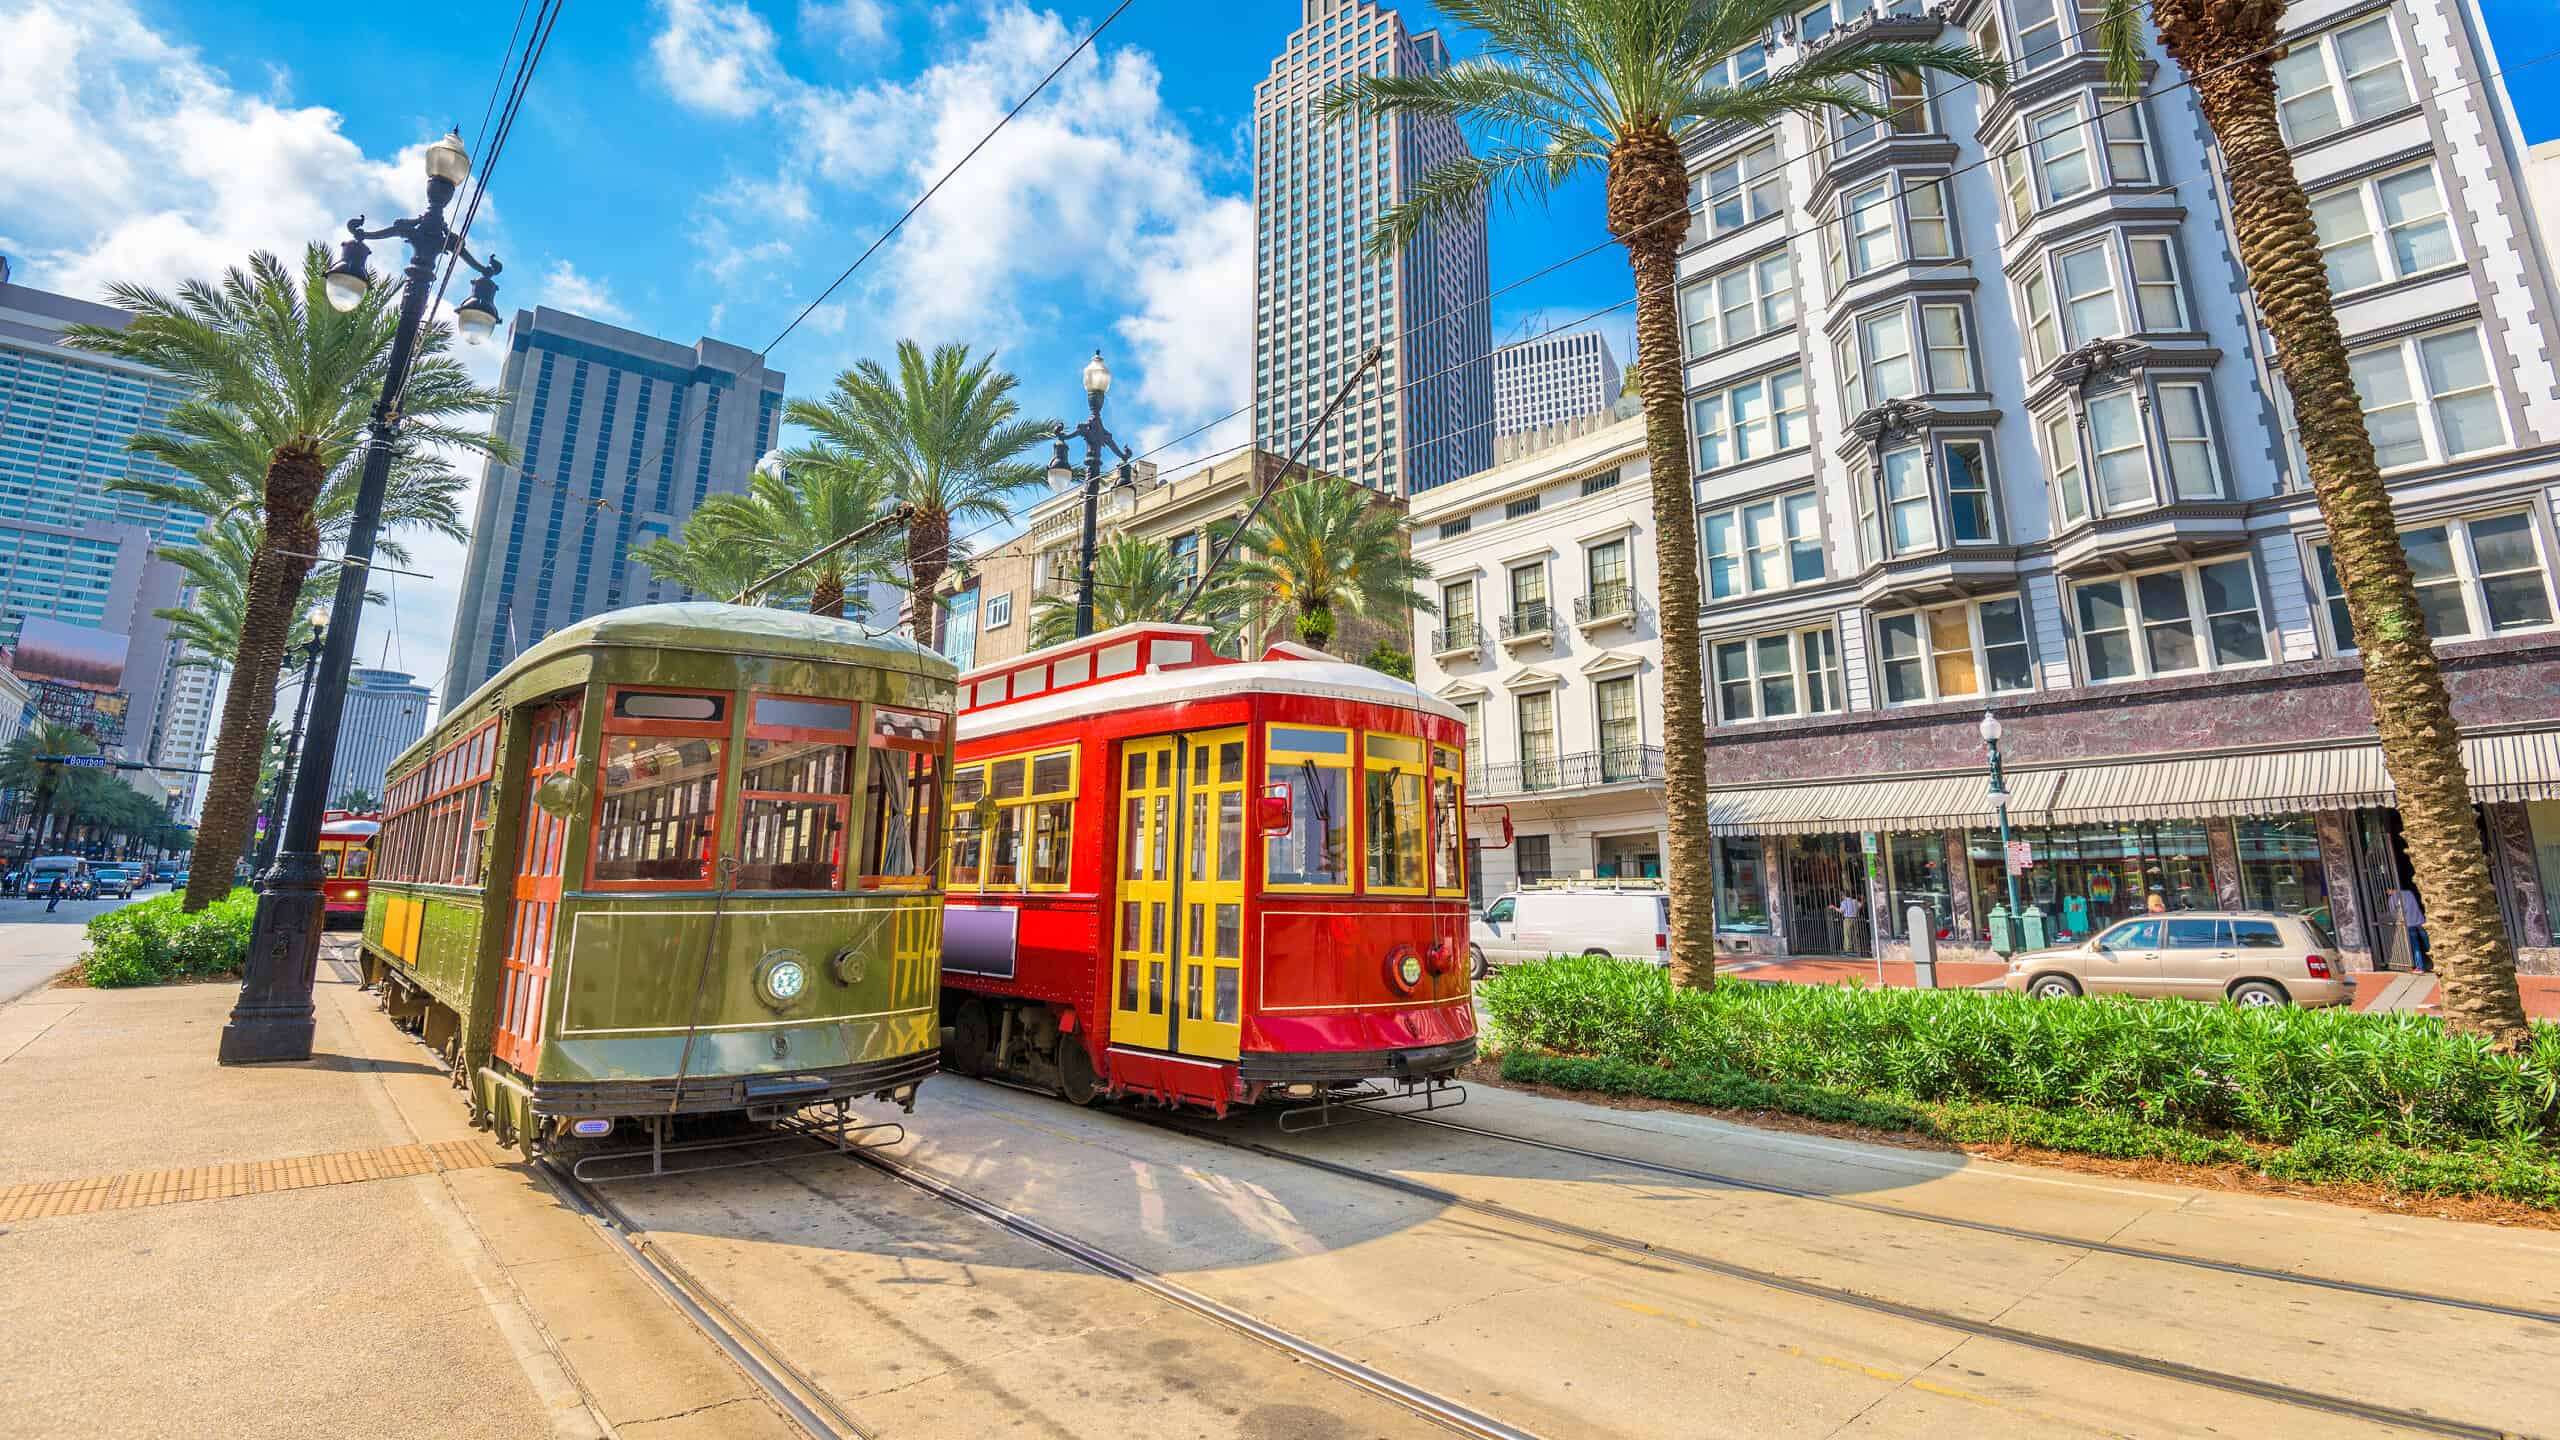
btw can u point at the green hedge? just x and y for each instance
(2276, 1074)
(152, 940)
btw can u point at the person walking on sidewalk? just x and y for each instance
(2406, 909)
(1853, 928)
(53, 890)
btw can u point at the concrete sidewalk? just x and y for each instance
(320, 1249)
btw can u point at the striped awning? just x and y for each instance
(2511, 767)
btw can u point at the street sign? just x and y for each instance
(2021, 857)
(1868, 841)
(88, 762)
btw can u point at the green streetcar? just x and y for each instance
(674, 861)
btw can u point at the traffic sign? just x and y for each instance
(88, 762)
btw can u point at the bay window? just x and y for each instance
(1950, 358)
(2017, 202)
(2449, 409)
(2155, 283)
(2384, 229)
(1886, 340)
(1904, 508)
(2089, 309)
(1750, 421)
(2189, 441)
(2115, 444)
(1969, 514)
(2343, 78)
(1878, 362)
(2479, 575)
(1739, 190)
(1867, 220)
(1762, 546)
(1739, 304)
(1770, 677)
(1949, 652)
(2061, 150)
(2170, 622)
(1909, 523)
(2062, 454)
(1924, 205)
(2044, 330)
(2128, 160)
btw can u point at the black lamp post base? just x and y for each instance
(273, 1019)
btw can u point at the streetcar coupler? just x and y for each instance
(1370, 1101)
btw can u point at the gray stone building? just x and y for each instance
(1984, 420)
(619, 436)
(385, 714)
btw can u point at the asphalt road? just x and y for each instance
(35, 946)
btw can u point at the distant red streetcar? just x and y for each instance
(346, 863)
(1207, 881)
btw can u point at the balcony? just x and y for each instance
(1612, 602)
(1583, 770)
(1526, 623)
(1465, 638)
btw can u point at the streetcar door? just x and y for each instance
(1211, 992)
(540, 861)
(1142, 930)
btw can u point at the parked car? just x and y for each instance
(2249, 957)
(118, 880)
(1597, 917)
(178, 880)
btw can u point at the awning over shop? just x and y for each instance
(1932, 802)
(2346, 777)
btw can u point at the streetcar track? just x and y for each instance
(1990, 1227)
(1445, 1412)
(801, 1398)
(2372, 1412)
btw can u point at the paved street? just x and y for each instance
(36, 946)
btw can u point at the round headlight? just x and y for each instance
(848, 965)
(782, 979)
(1404, 968)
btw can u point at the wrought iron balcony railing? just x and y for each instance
(1527, 620)
(1584, 769)
(1463, 639)
(1612, 600)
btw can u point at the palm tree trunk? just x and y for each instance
(294, 479)
(1648, 182)
(928, 555)
(2412, 713)
(826, 597)
(1315, 624)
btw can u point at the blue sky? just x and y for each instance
(693, 167)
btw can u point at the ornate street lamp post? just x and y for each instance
(272, 1020)
(1990, 730)
(1097, 383)
(309, 650)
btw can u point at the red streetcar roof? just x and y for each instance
(347, 828)
(1143, 648)
(1284, 670)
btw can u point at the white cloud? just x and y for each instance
(1194, 292)
(859, 29)
(714, 57)
(564, 286)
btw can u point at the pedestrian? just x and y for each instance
(54, 891)
(1853, 929)
(2406, 909)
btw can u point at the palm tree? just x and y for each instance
(1322, 551)
(2229, 52)
(217, 593)
(707, 561)
(1567, 86)
(283, 389)
(1135, 579)
(943, 434)
(20, 770)
(823, 495)
(356, 798)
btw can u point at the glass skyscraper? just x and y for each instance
(1424, 417)
(620, 435)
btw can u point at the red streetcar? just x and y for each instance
(1207, 881)
(346, 862)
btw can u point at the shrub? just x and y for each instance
(2275, 1074)
(153, 940)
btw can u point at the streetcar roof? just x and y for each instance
(350, 829)
(1328, 679)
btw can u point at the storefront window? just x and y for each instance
(2543, 817)
(1916, 874)
(2280, 865)
(2087, 877)
(1742, 886)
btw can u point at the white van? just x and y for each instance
(1631, 922)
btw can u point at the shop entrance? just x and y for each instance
(1821, 869)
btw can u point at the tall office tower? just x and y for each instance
(1555, 377)
(619, 436)
(72, 551)
(386, 713)
(1424, 417)
(186, 729)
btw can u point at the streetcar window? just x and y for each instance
(791, 816)
(657, 817)
(1392, 788)
(359, 862)
(1448, 835)
(968, 842)
(643, 705)
(329, 857)
(1013, 823)
(902, 800)
(776, 712)
(1315, 851)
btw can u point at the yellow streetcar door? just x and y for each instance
(1143, 922)
(1211, 993)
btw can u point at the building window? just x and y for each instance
(1452, 529)
(2062, 453)
(1969, 514)
(2017, 201)
(1908, 114)
(2484, 575)
(1762, 546)
(1742, 886)
(2115, 442)
(2385, 229)
(1471, 714)
(1621, 727)
(2155, 283)
(1750, 421)
(1950, 358)
(1769, 677)
(1537, 713)
(2128, 160)
(1949, 652)
(1457, 616)
(1531, 853)
(1866, 225)
(2451, 409)
(1605, 480)
(2344, 78)
(2044, 330)
(1525, 505)
(2089, 309)
(1605, 567)
(1924, 206)
(1739, 304)
(1185, 550)
(2189, 441)
(960, 629)
(1742, 189)
(2170, 622)
(2061, 151)
(999, 612)
(1529, 600)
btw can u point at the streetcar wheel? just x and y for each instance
(969, 1039)
(1076, 1079)
(1477, 969)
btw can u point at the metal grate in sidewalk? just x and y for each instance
(45, 1200)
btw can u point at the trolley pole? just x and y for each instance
(273, 1019)
(1096, 438)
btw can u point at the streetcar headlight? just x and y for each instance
(782, 978)
(848, 965)
(1404, 968)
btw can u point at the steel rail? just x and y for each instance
(798, 1396)
(1422, 1402)
(2372, 1412)
(1989, 1227)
